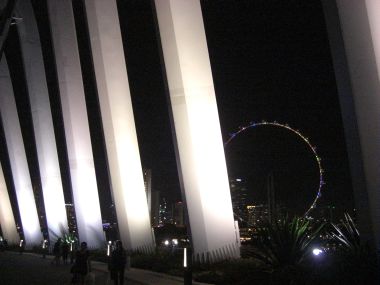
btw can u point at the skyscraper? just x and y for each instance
(239, 196)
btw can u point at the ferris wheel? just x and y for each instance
(312, 149)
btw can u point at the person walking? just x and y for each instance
(65, 251)
(117, 263)
(57, 252)
(81, 265)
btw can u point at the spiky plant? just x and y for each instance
(357, 260)
(347, 234)
(286, 242)
(70, 238)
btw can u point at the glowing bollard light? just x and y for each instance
(187, 265)
(109, 248)
(21, 246)
(198, 136)
(317, 251)
(44, 244)
(185, 257)
(44, 248)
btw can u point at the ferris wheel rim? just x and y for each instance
(299, 134)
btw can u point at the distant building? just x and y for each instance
(239, 197)
(257, 215)
(155, 208)
(165, 213)
(178, 214)
(153, 198)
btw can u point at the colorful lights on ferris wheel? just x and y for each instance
(299, 134)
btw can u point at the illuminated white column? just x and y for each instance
(119, 125)
(360, 32)
(197, 128)
(82, 170)
(17, 157)
(7, 220)
(42, 121)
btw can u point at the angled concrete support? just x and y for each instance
(7, 221)
(198, 136)
(119, 126)
(6, 12)
(354, 31)
(42, 122)
(17, 157)
(81, 163)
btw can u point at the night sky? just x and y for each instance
(270, 61)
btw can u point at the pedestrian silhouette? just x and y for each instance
(81, 265)
(65, 251)
(57, 252)
(117, 263)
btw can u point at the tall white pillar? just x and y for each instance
(79, 149)
(42, 121)
(119, 125)
(17, 157)
(197, 128)
(359, 23)
(7, 220)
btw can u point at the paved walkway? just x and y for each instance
(145, 277)
(32, 269)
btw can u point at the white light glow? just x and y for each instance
(317, 251)
(185, 257)
(17, 157)
(108, 248)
